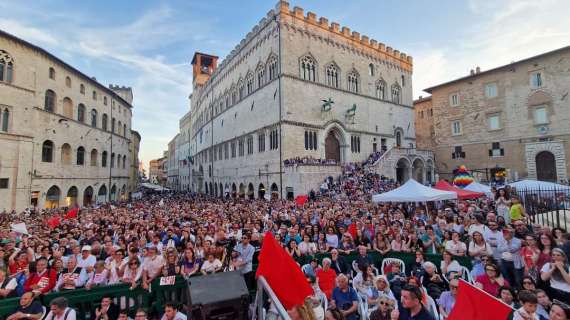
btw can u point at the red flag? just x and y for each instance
(300, 200)
(71, 214)
(474, 304)
(282, 273)
(53, 222)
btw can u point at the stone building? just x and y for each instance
(172, 181)
(295, 86)
(183, 153)
(423, 119)
(512, 119)
(64, 136)
(156, 172)
(134, 174)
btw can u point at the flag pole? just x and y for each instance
(485, 292)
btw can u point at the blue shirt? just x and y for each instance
(246, 253)
(344, 300)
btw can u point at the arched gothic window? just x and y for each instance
(81, 113)
(52, 73)
(94, 118)
(272, 67)
(249, 83)
(6, 67)
(260, 75)
(396, 93)
(49, 103)
(241, 88)
(381, 89)
(371, 70)
(104, 159)
(332, 75)
(308, 68)
(104, 121)
(5, 119)
(353, 84)
(47, 151)
(80, 156)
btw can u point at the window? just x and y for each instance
(81, 113)
(430, 112)
(421, 114)
(113, 127)
(5, 119)
(47, 151)
(80, 156)
(395, 93)
(332, 75)
(403, 81)
(52, 73)
(381, 89)
(105, 100)
(49, 103)
(491, 90)
(240, 147)
(454, 99)
(261, 142)
(371, 70)
(353, 81)
(250, 145)
(124, 130)
(6, 67)
(82, 88)
(93, 158)
(220, 152)
(94, 95)
(536, 80)
(94, 118)
(272, 67)
(494, 122)
(456, 128)
(124, 161)
(249, 83)
(273, 140)
(104, 121)
(308, 68)
(241, 88)
(458, 153)
(540, 115)
(112, 160)
(310, 140)
(104, 159)
(68, 82)
(355, 144)
(226, 151)
(233, 149)
(496, 150)
(4, 182)
(260, 75)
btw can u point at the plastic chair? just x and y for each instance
(362, 304)
(432, 308)
(388, 261)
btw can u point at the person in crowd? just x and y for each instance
(557, 272)
(345, 298)
(171, 264)
(417, 266)
(293, 249)
(152, 267)
(398, 244)
(59, 310)
(434, 283)
(447, 299)
(364, 279)
(7, 286)
(479, 247)
(171, 312)
(86, 260)
(98, 278)
(492, 280)
(29, 309)
(502, 205)
(382, 245)
(189, 264)
(544, 304)
(559, 311)
(332, 240)
(338, 263)
(116, 264)
(326, 278)
(363, 258)
(43, 280)
(431, 241)
(494, 236)
(133, 273)
(141, 315)
(384, 307)
(72, 277)
(411, 306)
(396, 278)
(449, 266)
(211, 265)
(517, 212)
(307, 247)
(529, 303)
(508, 296)
(512, 267)
(545, 244)
(245, 255)
(455, 246)
(107, 310)
(381, 289)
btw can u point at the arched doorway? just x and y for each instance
(402, 170)
(234, 190)
(88, 196)
(123, 196)
(274, 191)
(332, 147)
(241, 190)
(114, 193)
(418, 170)
(102, 194)
(250, 191)
(71, 198)
(261, 191)
(52, 197)
(546, 166)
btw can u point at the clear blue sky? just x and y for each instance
(148, 44)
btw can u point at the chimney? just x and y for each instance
(472, 72)
(477, 70)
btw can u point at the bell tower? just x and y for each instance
(203, 66)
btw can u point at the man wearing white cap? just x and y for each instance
(86, 260)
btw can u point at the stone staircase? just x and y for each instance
(387, 163)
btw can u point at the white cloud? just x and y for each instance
(28, 33)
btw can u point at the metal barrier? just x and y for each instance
(548, 207)
(264, 294)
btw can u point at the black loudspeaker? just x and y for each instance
(220, 296)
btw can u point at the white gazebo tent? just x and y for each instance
(412, 191)
(479, 187)
(534, 185)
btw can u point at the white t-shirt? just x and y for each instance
(153, 265)
(88, 262)
(179, 316)
(455, 248)
(71, 315)
(556, 284)
(208, 266)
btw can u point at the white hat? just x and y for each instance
(86, 248)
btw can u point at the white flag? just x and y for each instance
(19, 227)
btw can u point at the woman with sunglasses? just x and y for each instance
(133, 273)
(492, 280)
(447, 299)
(558, 273)
(384, 309)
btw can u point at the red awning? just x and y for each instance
(461, 194)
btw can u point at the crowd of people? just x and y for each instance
(309, 161)
(518, 262)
